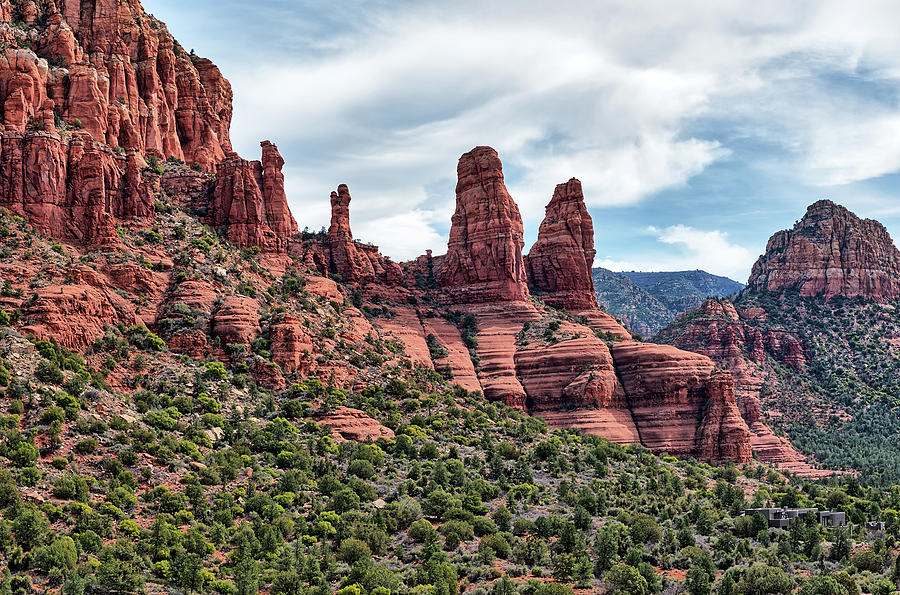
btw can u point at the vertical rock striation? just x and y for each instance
(559, 263)
(484, 255)
(248, 201)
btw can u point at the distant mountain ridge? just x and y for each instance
(647, 302)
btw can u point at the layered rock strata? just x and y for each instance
(831, 252)
(559, 264)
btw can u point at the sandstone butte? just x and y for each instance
(830, 252)
(94, 115)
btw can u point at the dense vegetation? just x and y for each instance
(843, 407)
(214, 484)
(620, 296)
(128, 468)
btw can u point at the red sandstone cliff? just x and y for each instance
(248, 201)
(92, 91)
(739, 343)
(119, 73)
(831, 252)
(559, 264)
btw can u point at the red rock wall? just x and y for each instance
(121, 74)
(559, 264)
(831, 252)
(669, 390)
(74, 189)
(484, 254)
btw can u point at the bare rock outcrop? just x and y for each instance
(291, 343)
(352, 424)
(484, 254)
(249, 202)
(831, 252)
(117, 73)
(559, 263)
(669, 390)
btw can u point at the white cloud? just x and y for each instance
(688, 248)
(403, 236)
(614, 265)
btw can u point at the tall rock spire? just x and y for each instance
(484, 255)
(559, 264)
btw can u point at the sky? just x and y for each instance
(697, 128)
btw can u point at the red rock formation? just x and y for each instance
(723, 435)
(717, 331)
(742, 344)
(484, 255)
(498, 326)
(74, 189)
(577, 373)
(237, 321)
(559, 264)
(119, 73)
(191, 342)
(457, 359)
(668, 390)
(75, 315)
(353, 424)
(249, 203)
(831, 252)
(291, 344)
(354, 262)
(406, 327)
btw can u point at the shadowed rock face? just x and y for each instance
(559, 264)
(831, 252)
(484, 255)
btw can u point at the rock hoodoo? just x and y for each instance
(831, 252)
(249, 202)
(354, 262)
(559, 264)
(669, 400)
(484, 255)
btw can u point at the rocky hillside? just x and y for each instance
(683, 290)
(647, 302)
(812, 341)
(197, 397)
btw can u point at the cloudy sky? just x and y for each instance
(697, 128)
